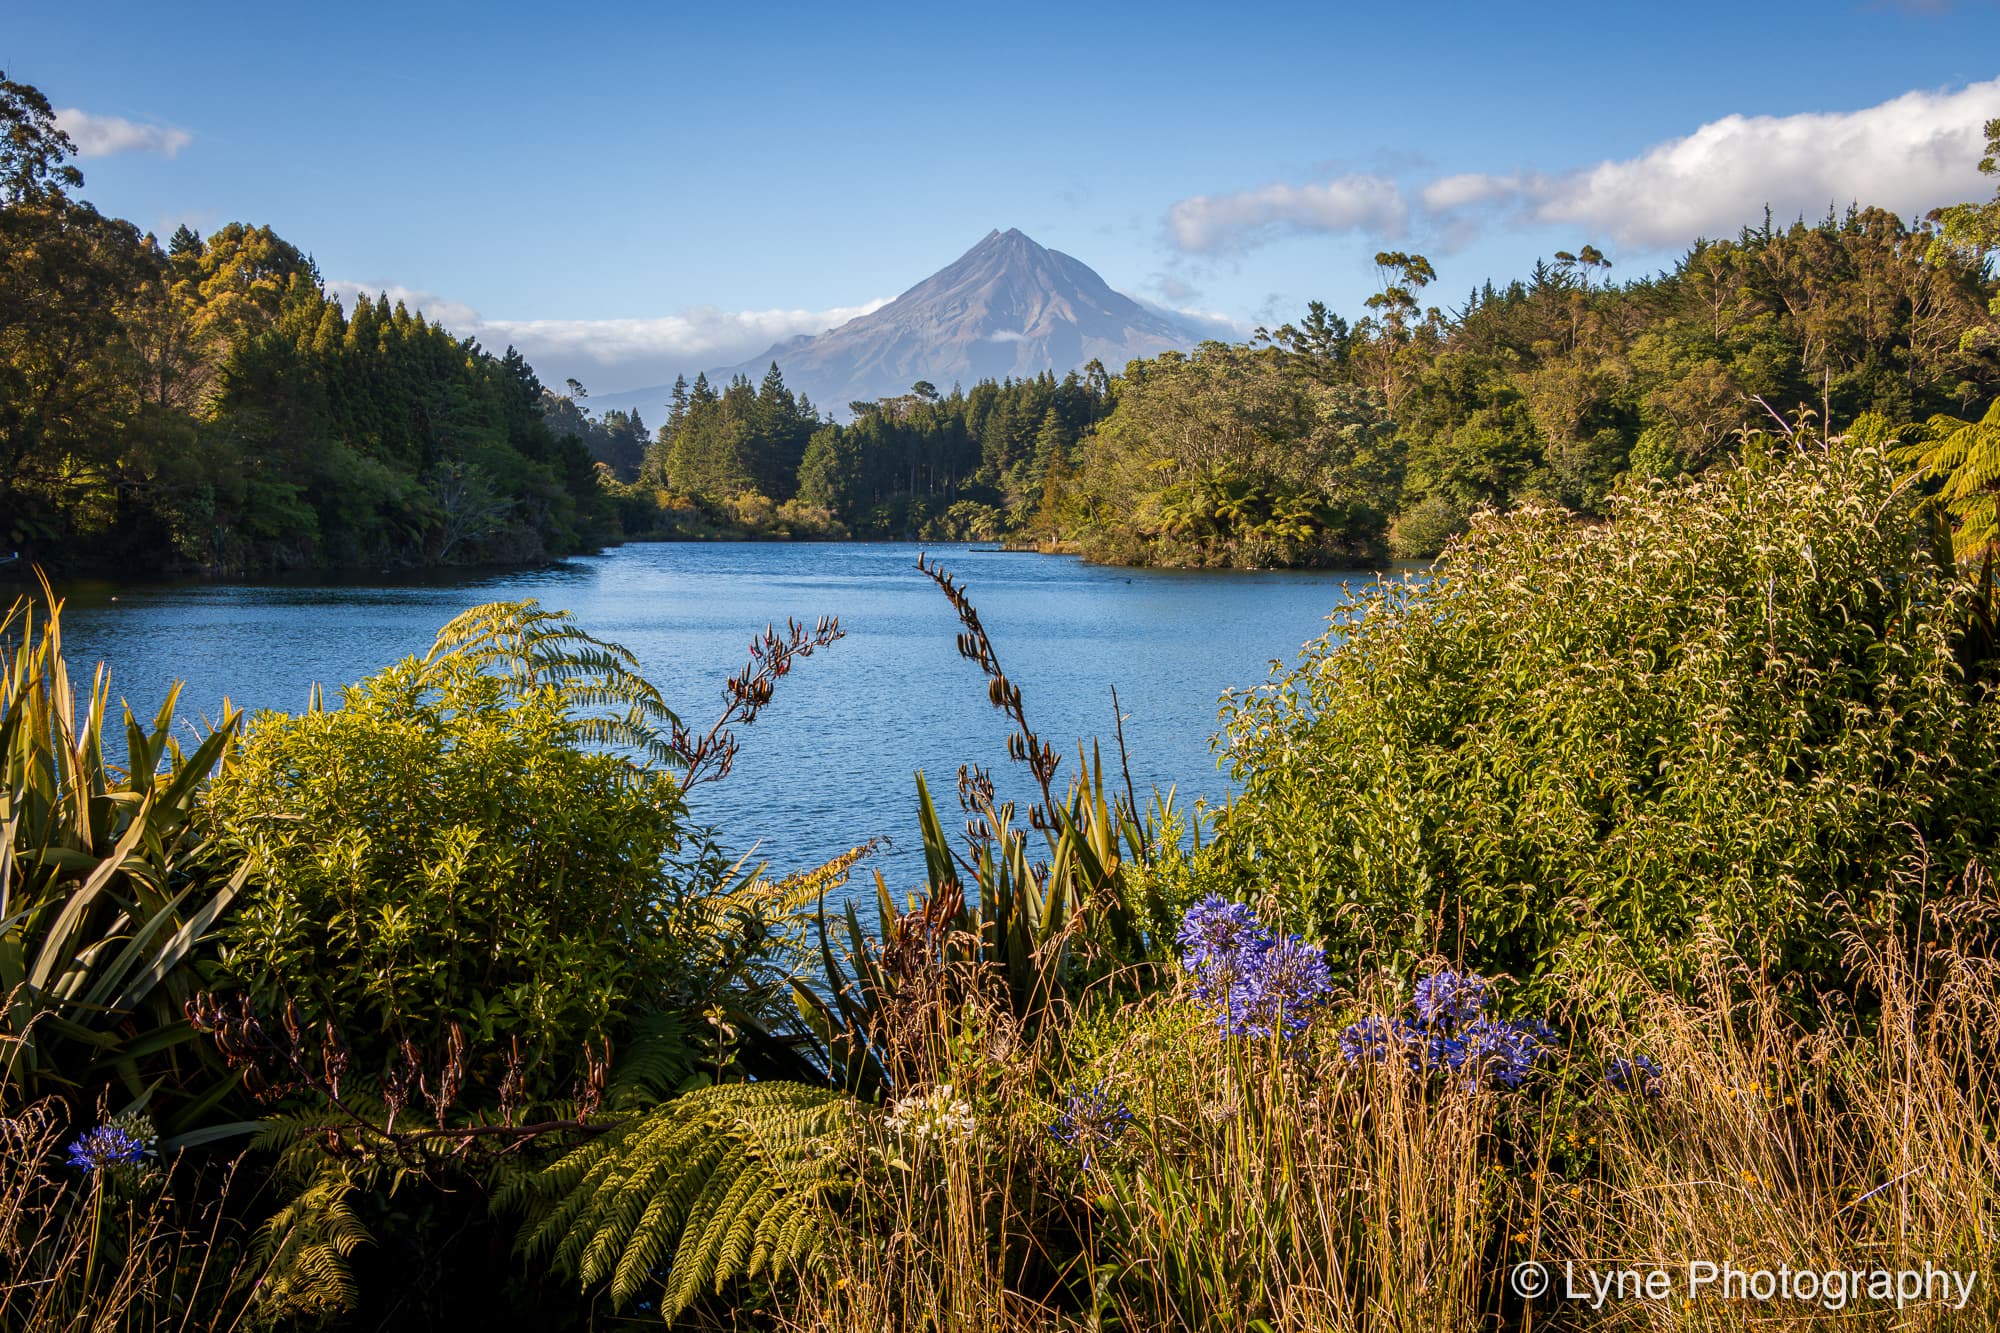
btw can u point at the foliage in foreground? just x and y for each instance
(111, 1245)
(111, 890)
(441, 849)
(1734, 705)
(721, 1184)
(1079, 1106)
(1203, 1180)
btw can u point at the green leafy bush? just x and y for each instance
(1740, 700)
(447, 847)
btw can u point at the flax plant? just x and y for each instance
(110, 888)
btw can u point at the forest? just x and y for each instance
(1327, 442)
(204, 406)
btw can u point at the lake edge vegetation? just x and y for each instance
(205, 406)
(1484, 991)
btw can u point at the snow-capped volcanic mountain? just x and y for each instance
(1005, 307)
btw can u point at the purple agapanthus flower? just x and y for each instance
(1278, 990)
(1452, 1033)
(1370, 1038)
(1213, 938)
(1636, 1074)
(1504, 1052)
(106, 1146)
(1448, 997)
(1262, 984)
(1089, 1120)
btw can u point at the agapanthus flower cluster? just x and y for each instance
(1370, 1038)
(107, 1146)
(1449, 1031)
(1639, 1073)
(1263, 984)
(1446, 996)
(1089, 1120)
(1213, 937)
(936, 1114)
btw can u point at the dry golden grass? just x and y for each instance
(1300, 1194)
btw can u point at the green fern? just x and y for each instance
(530, 649)
(1965, 457)
(720, 1183)
(302, 1251)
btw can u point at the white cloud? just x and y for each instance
(1208, 323)
(613, 354)
(101, 136)
(1909, 154)
(1215, 224)
(1468, 188)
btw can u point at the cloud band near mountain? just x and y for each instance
(619, 352)
(1910, 153)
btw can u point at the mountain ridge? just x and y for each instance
(1006, 307)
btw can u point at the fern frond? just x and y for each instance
(531, 649)
(653, 1065)
(721, 1183)
(302, 1251)
(1965, 456)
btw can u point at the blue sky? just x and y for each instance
(638, 189)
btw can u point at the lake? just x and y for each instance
(830, 764)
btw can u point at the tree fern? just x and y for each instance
(721, 1183)
(1965, 455)
(530, 648)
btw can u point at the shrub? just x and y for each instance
(447, 848)
(1737, 702)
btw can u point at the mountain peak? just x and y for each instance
(1007, 307)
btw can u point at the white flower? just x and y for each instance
(936, 1114)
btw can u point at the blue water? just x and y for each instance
(829, 765)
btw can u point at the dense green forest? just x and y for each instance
(963, 465)
(205, 405)
(1328, 441)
